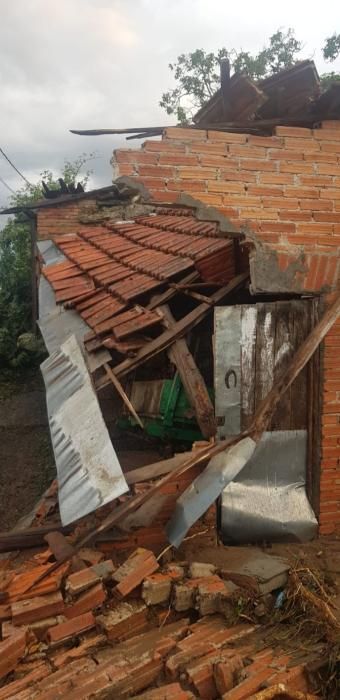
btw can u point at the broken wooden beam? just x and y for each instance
(180, 328)
(116, 383)
(192, 380)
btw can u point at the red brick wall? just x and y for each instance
(286, 189)
(54, 221)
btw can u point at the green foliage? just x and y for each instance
(17, 345)
(197, 74)
(331, 49)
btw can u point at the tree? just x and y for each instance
(197, 74)
(331, 51)
(16, 271)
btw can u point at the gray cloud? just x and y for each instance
(104, 63)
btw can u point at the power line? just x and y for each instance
(8, 187)
(16, 169)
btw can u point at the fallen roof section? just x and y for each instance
(89, 473)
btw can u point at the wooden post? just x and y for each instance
(192, 380)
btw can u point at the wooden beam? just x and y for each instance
(116, 383)
(192, 380)
(181, 327)
(152, 471)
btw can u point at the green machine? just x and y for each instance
(164, 409)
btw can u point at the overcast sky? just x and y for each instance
(104, 63)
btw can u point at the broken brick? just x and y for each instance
(104, 569)
(200, 569)
(71, 628)
(88, 645)
(140, 564)
(157, 588)
(11, 650)
(211, 593)
(126, 620)
(225, 673)
(12, 689)
(172, 691)
(90, 556)
(34, 609)
(80, 581)
(87, 601)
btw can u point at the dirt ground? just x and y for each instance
(26, 459)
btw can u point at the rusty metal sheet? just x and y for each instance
(89, 473)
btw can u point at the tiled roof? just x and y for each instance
(110, 268)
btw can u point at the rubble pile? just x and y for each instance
(95, 629)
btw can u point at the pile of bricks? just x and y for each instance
(135, 630)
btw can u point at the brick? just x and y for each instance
(71, 628)
(227, 187)
(201, 569)
(90, 556)
(247, 687)
(126, 620)
(171, 691)
(140, 564)
(87, 645)
(296, 167)
(276, 179)
(265, 141)
(226, 136)
(104, 569)
(11, 690)
(305, 144)
(214, 159)
(332, 147)
(285, 154)
(34, 609)
(259, 165)
(178, 159)
(87, 601)
(199, 173)
(212, 592)
(80, 581)
(157, 589)
(156, 171)
(294, 678)
(226, 673)
(164, 146)
(11, 650)
(247, 151)
(183, 134)
(191, 186)
(135, 156)
(293, 131)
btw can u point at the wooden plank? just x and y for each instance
(152, 471)
(192, 380)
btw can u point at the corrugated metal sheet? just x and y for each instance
(89, 473)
